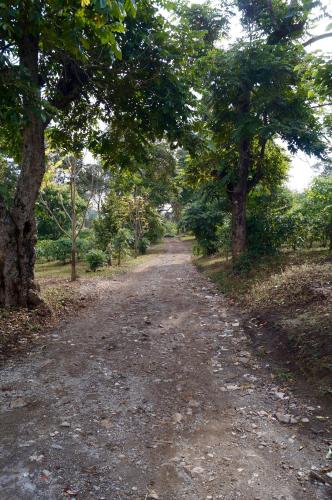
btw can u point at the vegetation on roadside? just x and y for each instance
(289, 296)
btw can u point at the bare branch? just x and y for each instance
(93, 192)
(64, 208)
(53, 217)
(316, 38)
(321, 105)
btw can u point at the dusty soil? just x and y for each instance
(155, 392)
(19, 328)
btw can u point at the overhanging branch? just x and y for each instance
(317, 38)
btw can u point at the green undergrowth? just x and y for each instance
(292, 295)
(56, 269)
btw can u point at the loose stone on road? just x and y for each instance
(154, 393)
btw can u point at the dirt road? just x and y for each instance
(154, 393)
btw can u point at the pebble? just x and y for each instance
(18, 403)
(36, 458)
(193, 403)
(65, 424)
(56, 446)
(197, 470)
(153, 496)
(286, 419)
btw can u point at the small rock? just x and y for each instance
(280, 395)
(36, 458)
(244, 354)
(193, 404)
(106, 423)
(232, 387)
(153, 495)
(65, 424)
(286, 419)
(70, 492)
(177, 418)
(56, 446)
(305, 420)
(197, 470)
(18, 403)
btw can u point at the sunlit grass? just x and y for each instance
(187, 237)
(58, 270)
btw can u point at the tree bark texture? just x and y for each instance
(239, 190)
(17, 225)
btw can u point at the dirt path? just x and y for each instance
(153, 394)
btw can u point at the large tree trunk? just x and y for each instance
(239, 230)
(239, 190)
(239, 194)
(17, 226)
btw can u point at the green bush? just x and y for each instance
(96, 259)
(109, 253)
(197, 249)
(202, 217)
(61, 250)
(143, 245)
(155, 229)
(269, 221)
(86, 234)
(224, 235)
(121, 243)
(170, 229)
(45, 250)
(83, 247)
(54, 250)
(243, 264)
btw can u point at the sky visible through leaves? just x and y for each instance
(302, 171)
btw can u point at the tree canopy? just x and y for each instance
(180, 114)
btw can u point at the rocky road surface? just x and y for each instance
(155, 393)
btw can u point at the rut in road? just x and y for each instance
(153, 393)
